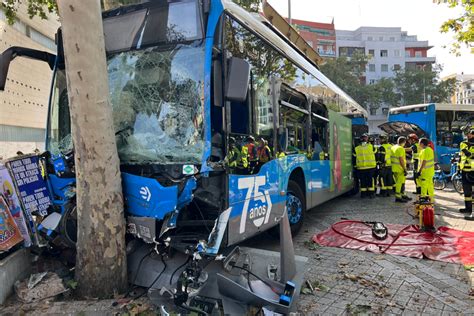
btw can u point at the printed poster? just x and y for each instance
(9, 233)
(7, 189)
(32, 187)
(340, 152)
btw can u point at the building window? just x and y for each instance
(381, 38)
(310, 43)
(385, 111)
(370, 38)
(373, 111)
(396, 53)
(384, 68)
(407, 53)
(396, 67)
(418, 54)
(371, 52)
(383, 53)
(392, 39)
(371, 67)
(372, 81)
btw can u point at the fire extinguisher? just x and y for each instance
(426, 214)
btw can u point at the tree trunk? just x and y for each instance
(101, 267)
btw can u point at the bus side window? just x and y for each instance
(319, 132)
(293, 117)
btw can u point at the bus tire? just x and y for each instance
(296, 206)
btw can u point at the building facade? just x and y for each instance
(389, 49)
(464, 93)
(320, 36)
(24, 103)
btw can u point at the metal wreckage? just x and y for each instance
(186, 211)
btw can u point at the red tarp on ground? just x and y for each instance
(446, 244)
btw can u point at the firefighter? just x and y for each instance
(415, 153)
(236, 158)
(399, 169)
(466, 165)
(384, 162)
(365, 164)
(264, 153)
(425, 171)
(252, 152)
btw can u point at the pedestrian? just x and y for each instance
(466, 165)
(413, 141)
(399, 169)
(426, 171)
(365, 165)
(384, 162)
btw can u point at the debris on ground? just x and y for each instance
(380, 290)
(358, 309)
(310, 287)
(39, 287)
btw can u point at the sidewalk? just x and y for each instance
(353, 282)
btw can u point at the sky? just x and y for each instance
(418, 17)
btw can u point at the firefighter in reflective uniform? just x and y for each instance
(415, 153)
(384, 162)
(426, 171)
(264, 153)
(236, 159)
(466, 165)
(399, 169)
(365, 164)
(251, 149)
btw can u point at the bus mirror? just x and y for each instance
(238, 80)
(5, 60)
(13, 52)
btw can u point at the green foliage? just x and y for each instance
(249, 5)
(462, 26)
(35, 8)
(418, 86)
(348, 74)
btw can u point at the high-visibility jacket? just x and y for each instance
(428, 170)
(263, 153)
(237, 158)
(365, 157)
(415, 152)
(397, 152)
(252, 151)
(466, 163)
(388, 154)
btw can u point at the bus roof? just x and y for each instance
(255, 23)
(438, 107)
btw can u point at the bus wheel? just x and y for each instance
(295, 205)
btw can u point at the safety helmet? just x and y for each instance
(231, 140)
(250, 138)
(413, 136)
(471, 131)
(364, 135)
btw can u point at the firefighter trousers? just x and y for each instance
(467, 188)
(367, 183)
(415, 177)
(399, 178)
(426, 186)
(386, 179)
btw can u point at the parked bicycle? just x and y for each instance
(441, 178)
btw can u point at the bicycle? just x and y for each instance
(441, 178)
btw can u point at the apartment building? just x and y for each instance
(389, 49)
(320, 36)
(24, 103)
(464, 93)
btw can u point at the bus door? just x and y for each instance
(319, 159)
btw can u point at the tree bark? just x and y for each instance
(101, 268)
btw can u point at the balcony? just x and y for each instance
(413, 59)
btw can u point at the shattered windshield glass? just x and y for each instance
(157, 98)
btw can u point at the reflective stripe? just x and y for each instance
(429, 164)
(467, 199)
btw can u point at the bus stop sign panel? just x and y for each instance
(402, 129)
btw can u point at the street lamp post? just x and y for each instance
(289, 12)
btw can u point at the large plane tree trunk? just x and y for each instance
(101, 268)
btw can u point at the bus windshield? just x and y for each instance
(156, 85)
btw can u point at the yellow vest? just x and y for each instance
(388, 154)
(466, 163)
(397, 152)
(427, 155)
(365, 157)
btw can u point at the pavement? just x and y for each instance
(351, 282)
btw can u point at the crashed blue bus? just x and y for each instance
(188, 79)
(444, 124)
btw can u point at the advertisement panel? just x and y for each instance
(7, 189)
(9, 233)
(340, 151)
